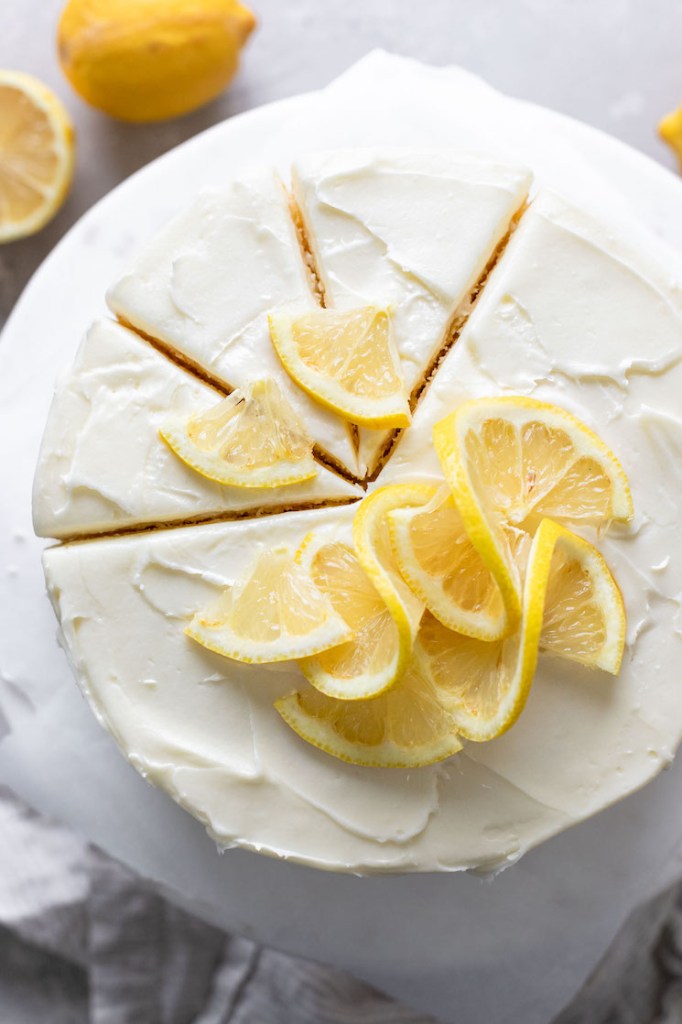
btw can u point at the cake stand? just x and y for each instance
(513, 948)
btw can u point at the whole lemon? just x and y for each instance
(147, 60)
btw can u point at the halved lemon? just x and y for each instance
(406, 727)
(252, 438)
(372, 543)
(368, 663)
(443, 568)
(347, 361)
(571, 606)
(514, 460)
(274, 613)
(36, 154)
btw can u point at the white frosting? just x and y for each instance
(102, 463)
(204, 728)
(409, 230)
(205, 284)
(575, 315)
(572, 314)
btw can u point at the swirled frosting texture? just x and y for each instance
(103, 465)
(573, 313)
(412, 231)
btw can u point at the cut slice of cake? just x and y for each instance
(205, 284)
(410, 231)
(103, 465)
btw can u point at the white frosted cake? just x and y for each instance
(348, 563)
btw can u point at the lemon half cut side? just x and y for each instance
(36, 155)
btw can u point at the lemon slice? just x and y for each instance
(514, 460)
(36, 155)
(253, 438)
(443, 568)
(372, 542)
(367, 664)
(347, 361)
(275, 613)
(584, 616)
(572, 607)
(406, 727)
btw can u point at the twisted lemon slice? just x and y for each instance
(275, 613)
(443, 568)
(367, 664)
(406, 727)
(253, 438)
(372, 542)
(347, 361)
(512, 461)
(571, 607)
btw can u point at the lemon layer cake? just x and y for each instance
(441, 674)
(103, 464)
(413, 231)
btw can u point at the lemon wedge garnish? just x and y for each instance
(346, 360)
(274, 613)
(571, 607)
(406, 727)
(368, 663)
(512, 461)
(36, 155)
(443, 568)
(253, 438)
(372, 542)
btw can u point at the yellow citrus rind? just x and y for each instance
(322, 355)
(37, 155)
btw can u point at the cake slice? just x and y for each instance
(205, 284)
(413, 231)
(103, 465)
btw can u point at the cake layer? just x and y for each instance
(103, 465)
(575, 315)
(204, 728)
(410, 230)
(205, 284)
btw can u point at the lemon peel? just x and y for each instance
(140, 61)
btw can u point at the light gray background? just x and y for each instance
(616, 64)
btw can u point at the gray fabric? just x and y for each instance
(127, 956)
(83, 941)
